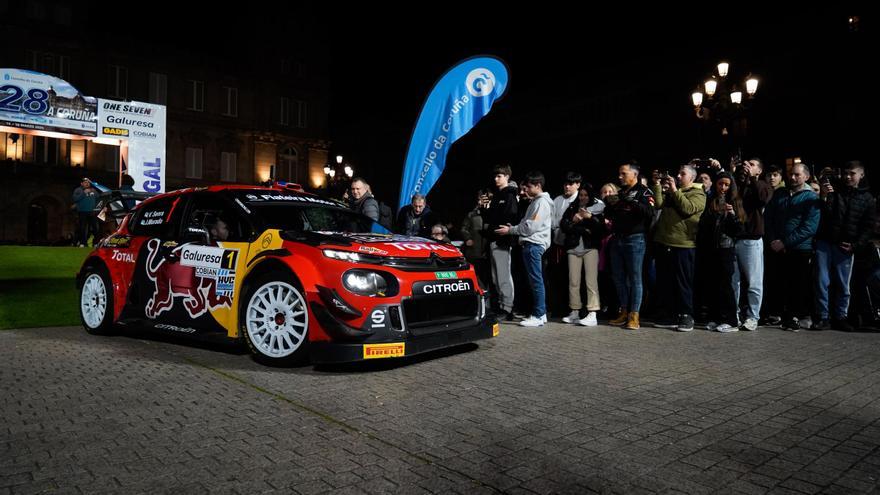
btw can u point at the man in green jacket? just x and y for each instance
(680, 205)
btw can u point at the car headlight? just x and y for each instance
(364, 283)
(342, 255)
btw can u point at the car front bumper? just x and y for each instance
(409, 345)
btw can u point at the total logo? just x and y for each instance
(480, 82)
(122, 256)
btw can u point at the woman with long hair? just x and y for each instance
(721, 222)
(584, 226)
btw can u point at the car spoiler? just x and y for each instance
(118, 203)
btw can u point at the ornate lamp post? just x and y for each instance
(337, 176)
(339, 171)
(720, 99)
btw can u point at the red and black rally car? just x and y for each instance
(295, 276)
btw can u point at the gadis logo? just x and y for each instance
(480, 82)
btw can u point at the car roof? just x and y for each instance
(289, 188)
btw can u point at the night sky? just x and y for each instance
(382, 71)
(381, 67)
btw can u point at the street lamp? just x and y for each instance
(339, 171)
(720, 100)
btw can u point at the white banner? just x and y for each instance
(143, 126)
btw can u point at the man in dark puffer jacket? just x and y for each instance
(848, 212)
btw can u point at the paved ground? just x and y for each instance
(559, 409)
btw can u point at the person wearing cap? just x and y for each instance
(85, 198)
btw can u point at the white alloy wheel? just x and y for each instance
(276, 319)
(93, 301)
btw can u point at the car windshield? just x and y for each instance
(315, 219)
(289, 211)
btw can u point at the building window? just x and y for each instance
(228, 166)
(193, 163)
(49, 63)
(287, 165)
(117, 85)
(63, 15)
(196, 96)
(63, 67)
(158, 88)
(301, 114)
(36, 11)
(285, 111)
(111, 158)
(230, 108)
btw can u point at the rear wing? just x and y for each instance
(118, 203)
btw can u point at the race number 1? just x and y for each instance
(230, 256)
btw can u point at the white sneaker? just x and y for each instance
(725, 328)
(590, 320)
(711, 326)
(805, 323)
(531, 321)
(750, 325)
(573, 317)
(544, 318)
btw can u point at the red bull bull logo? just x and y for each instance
(173, 279)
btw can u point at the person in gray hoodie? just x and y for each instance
(534, 233)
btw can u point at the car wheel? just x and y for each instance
(275, 320)
(96, 302)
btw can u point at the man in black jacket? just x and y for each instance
(416, 218)
(362, 200)
(848, 212)
(501, 210)
(630, 218)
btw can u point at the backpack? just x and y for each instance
(386, 216)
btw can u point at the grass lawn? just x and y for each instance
(37, 286)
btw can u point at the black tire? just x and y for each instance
(276, 331)
(96, 301)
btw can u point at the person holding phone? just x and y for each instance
(720, 224)
(584, 225)
(681, 202)
(845, 226)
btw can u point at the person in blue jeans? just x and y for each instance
(534, 234)
(630, 218)
(846, 224)
(749, 249)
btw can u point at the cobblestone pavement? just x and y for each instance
(558, 409)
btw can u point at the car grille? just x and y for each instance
(421, 312)
(430, 264)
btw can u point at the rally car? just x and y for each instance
(295, 276)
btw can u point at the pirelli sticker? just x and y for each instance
(379, 351)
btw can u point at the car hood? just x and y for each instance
(377, 244)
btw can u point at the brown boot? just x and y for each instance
(621, 318)
(633, 322)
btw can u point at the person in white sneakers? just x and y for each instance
(584, 226)
(534, 234)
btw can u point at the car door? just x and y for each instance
(216, 239)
